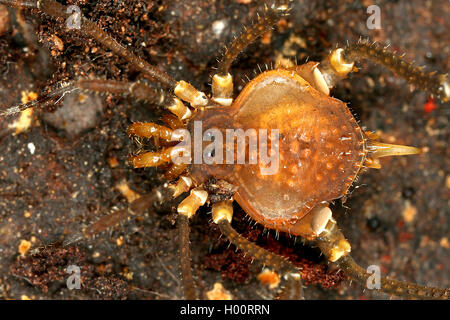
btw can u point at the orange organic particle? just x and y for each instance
(444, 243)
(127, 273)
(23, 123)
(409, 213)
(57, 42)
(270, 278)
(24, 246)
(218, 292)
(82, 98)
(129, 194)
(113, 163)
(28, 96)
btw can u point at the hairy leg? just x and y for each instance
(222, 213)
(341, 61)
(336, 248)
(136, 90)
(186, 210)
(185, 258)
(138, 207)
(272, 14)
(222, 82)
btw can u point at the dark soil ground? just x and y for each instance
(61, 174)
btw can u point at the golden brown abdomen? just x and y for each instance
(320, 148)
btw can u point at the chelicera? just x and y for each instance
(321, 147)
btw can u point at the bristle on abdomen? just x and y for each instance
(436, 84)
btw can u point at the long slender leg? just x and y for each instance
(185, 258)
(222, 214)
(341, 61)
(136, 90)
(159, 194)
(271, 15)
(337, 249)
(43, 100)
(395, 287)
(56, 10)
(222, 82)
(186, 210)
